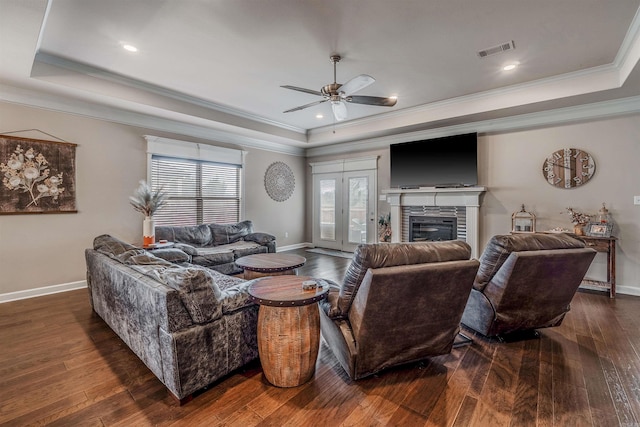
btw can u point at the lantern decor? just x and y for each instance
(523, 222)
(604, 217)
(602, 226)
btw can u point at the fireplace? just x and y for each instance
(424, 199)
(432, 228)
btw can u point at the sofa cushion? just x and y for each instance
(212, 256)
(196, 235)
(248, 248)
(197, 290)
(140, 257)
(500, 247)
(173, 255)
(381, 255)
(223, 234)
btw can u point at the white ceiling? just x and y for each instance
(219, 65)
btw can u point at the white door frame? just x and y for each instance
(339, 169)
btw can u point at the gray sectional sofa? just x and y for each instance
(189, 324)
(215, 246)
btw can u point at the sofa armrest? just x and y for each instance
(187, 249)
(236, 297)
(264, 239)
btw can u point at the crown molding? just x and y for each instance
(570, 84)
(609, 76)
(100, 73)
(599, 110)
(629, 52)
(39, 99)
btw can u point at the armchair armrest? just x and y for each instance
(329, 305)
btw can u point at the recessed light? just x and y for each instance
(510, 67)
(319, 116)
(129, 47)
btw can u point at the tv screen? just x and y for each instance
(450, 161)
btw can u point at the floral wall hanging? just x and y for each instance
(279, 181)
(38, 176)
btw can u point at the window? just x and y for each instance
(201, 190)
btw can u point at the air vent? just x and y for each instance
(497, 49)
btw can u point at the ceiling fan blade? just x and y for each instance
(301, 89)
(372, 100)
(302, 107)
(339, 110)
(357, 83)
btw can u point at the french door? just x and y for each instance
(344, 209)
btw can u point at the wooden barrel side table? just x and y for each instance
(288, 328)
(270, 264)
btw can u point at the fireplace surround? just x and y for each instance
(467, 198)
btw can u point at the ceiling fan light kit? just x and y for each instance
(339, 94)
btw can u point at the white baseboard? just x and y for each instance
(627, 290)
(292, 247)
(54, 289)
(38, 292)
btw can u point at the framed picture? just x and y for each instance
(38, 176)
(599, 229)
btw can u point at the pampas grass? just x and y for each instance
(147, 201)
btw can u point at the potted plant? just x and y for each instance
(384, 227)
(579, 220)
(147, 202)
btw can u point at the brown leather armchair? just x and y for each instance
(525, 282)
(398, 303)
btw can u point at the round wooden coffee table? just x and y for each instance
(271, 264)
(288, 328)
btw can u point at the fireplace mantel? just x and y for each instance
(469, 197)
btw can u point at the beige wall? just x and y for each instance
(45, 250)
(510, 166)
(285, 220)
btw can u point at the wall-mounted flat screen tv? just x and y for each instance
(451, 161)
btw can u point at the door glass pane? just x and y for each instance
(358, 196)
(328, 209)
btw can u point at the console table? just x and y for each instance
(606, 245)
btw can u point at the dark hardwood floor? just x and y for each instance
(61, 365)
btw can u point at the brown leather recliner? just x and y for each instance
(398, 303)
(525, 282)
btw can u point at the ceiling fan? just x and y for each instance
(339, 94)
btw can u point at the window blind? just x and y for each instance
(199, 191)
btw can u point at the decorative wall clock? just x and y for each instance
(279, 181)
(568, 168)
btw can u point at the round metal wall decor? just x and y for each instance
(279, 181)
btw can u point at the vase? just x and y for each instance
(578, 229)
(148, 231)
